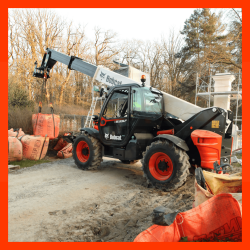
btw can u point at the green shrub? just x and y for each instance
(19, 97)
(20, 118)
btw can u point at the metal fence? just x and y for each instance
(71, 122)
(239, 139)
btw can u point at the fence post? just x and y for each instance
(82, 122)
(196, 87)
(209, 89)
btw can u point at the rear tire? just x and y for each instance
(165, 166)
(129, 162)
(87, 152)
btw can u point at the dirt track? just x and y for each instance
(59, 202)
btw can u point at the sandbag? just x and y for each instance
(46, 124)
(60, 144)
(15, 149)
(219, 218)
(34, 147)
(202, 195)
(237, 196)
(222, 183)
(16, 133)
(66, 152)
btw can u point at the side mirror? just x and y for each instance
(103, 91)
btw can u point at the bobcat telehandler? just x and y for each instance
(136, 123)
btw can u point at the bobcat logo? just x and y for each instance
(106, 136)
(102, 75)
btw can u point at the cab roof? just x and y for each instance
(127, 85)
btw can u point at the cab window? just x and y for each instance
(144, 100)
(153, 101)
(136, 99)
(117, 105)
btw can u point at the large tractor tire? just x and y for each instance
(87, 152)
(129, 162)
(165, 166)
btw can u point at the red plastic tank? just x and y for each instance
(209, 146)
(46, 124)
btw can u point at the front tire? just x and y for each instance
(87, 152)
(165, 166)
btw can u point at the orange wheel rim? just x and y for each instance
(160, 166)
(82, 151)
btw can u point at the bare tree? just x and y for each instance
(34, 31)
(104, 45)
(74, 46)
(174, 66)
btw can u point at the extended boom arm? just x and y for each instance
(173, 105)
(98, 73)
(74, 63)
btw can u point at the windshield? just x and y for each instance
(144, 100)
(152, 102)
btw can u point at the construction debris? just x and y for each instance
(213, 210)
(13, 167)
(66, 152)
(61, 143)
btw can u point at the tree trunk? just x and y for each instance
(47, 92)
(29, 87)
(63, 86)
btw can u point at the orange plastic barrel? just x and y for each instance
(15, 149)
(34, 147)
(209, 146)
(66, 152)
(46, 124)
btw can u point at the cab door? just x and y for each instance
(114, 117)
(146, 110)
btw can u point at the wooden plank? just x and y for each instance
(13, 167)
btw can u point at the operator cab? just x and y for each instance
(129, 109)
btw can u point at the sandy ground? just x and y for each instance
(58, 202)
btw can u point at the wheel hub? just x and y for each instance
(85, 151)
(82, 151)
(163, 166)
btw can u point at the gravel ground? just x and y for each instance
(58, 202)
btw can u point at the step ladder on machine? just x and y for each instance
(88, 122)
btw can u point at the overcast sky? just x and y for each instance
(145, 24)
